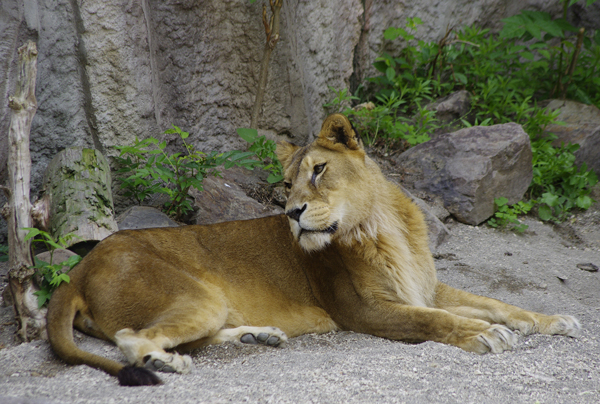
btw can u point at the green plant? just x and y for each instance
(558, 183)
(506, 79)
(51, 274)
(264, 150)
(563, 59)
(506, 216)
(504, 76)
(385, 120)
(146, 168)
(341, 102)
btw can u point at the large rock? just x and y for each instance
(581, 126)
(582, 15)
(451, 107)
(144, 217)
(469, 168)
(436, 229)
(224, 200)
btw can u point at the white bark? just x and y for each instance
(24, 105)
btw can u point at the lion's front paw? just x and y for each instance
(560, 325)
(168, 363)
(264, 335)
(496, 339)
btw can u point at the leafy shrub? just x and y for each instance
(384, 120)
(264, 150)
(558, 183)
(506, 215)
(563, 60)
(146, 168)
(51, 274)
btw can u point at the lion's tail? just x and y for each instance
(63, 307)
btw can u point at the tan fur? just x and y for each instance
(356, 258)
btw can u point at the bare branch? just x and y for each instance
(24, 105)
(272, 34)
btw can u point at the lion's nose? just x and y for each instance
(295, 213)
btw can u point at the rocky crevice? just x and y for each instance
(90, 114)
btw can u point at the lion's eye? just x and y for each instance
(319, 168)
(287, 185)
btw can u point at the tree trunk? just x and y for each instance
(77, 190)
(24, 105)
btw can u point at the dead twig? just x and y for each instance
(272, 33)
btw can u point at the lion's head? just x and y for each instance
(330, 185)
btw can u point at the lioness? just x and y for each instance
(356, 258)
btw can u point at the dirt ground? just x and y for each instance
(539, 270)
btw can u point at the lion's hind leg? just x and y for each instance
(141, 350)
(187, 321)
(494, 311)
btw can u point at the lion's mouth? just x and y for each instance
(329, 230)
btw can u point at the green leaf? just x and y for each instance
(380, 65)
(583, 202)
(551, 27)
(500, 201)
(550, 199)
(72, 261)
(391, 33)
(248, 134)
(239, 156)
(461, 77)
(273, 178)
(43, 297)
(527, 55)
(60, 278)
(545, 212)
(390, 73)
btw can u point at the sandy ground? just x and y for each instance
(537, 270)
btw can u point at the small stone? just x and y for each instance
(588, 267)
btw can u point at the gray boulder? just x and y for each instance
(144, 217)
(582, 15)
(223, 200)
(451, 107)
(436, 229)
(581, 126)
(469, 168)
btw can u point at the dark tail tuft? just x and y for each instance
(137, 376)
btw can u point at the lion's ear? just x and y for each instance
(285, 151)
(338, 133)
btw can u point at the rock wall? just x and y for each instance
(111, 71)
